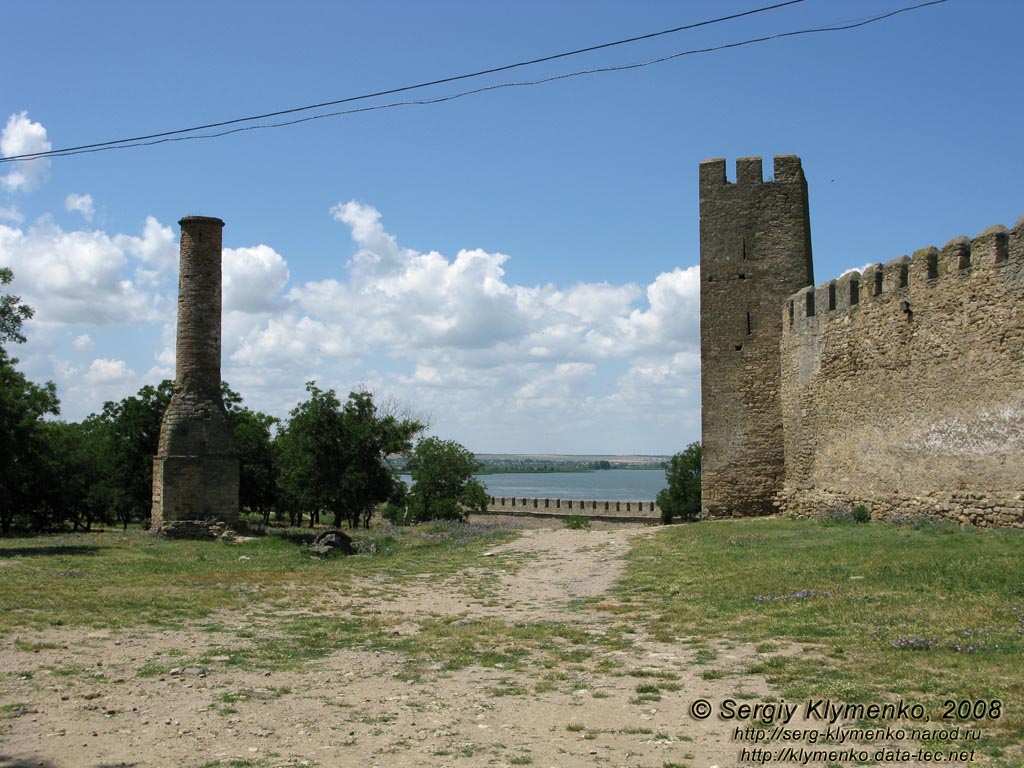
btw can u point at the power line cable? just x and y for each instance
(392, 91)
(171, 137)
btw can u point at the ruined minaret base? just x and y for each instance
(195, 471)
(194, 488)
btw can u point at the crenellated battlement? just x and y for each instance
(899, 387)
(996, 254)
(749, 172)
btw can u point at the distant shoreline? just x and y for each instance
(548, 469)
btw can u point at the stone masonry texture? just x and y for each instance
(755, 250)
(195, 471)
(900, 388)
(903, 387)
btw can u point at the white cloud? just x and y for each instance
(105, 371)
(597, 302)
(378, 250)
(291, 343)
(80, 203)
(23, 137)
(156, 251)
(253, 279)
(11, 214)
(82, 277)
(858, 270)
(495, 365)
(476, 348)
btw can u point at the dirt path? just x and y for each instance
(73, 699)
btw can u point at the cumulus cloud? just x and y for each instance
(105, 371)
(253, 279)
(80, 203)
(472, 342)
(11, 213)
(155, 252)
(451, 335)
(23, 137)
(378, 250)
(412, 303)
(82, 277)
(291, 342)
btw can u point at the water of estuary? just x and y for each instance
(604, 484)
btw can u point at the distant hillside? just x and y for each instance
(491, 463)
(562, 458)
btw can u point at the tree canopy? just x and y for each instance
(332, 457)
(329, 456)
(442, 473)
(24, 451)
(682, 497)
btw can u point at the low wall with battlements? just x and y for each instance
(625, 511)
(903, 386)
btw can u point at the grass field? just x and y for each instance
(927, 613)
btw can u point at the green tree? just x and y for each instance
(332, 458)
(475, 497)
(79, 485)
(23, 408)
(682, 497)
(24, 450)
(131, 435)
(12, 312)
(442, 473)
(253, 435)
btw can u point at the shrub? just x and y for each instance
(682, 496)
(844, 516)
(577, 522)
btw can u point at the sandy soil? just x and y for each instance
(350, 709)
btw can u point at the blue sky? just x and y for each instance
(520, 266)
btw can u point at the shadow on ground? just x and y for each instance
(47, 551)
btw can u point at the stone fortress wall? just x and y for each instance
(901, 388)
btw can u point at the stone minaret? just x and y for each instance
(195, 471)
(755, 251)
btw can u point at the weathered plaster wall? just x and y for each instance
(903, 387)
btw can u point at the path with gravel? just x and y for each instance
(77, 699)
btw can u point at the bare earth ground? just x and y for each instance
(350, 708)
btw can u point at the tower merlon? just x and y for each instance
(712, 173)
(848, 290)
(955, 256)
(749, 170)
(896, 274)
(788, 168)
(991, 248)
(924, 265)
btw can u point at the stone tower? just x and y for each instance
(755, 251)
(195, 471)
